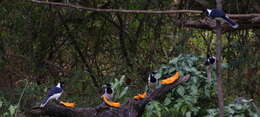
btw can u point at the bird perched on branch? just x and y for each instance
(54, 93)
(108, 95)
(152, 81)
(210, 60)
(220, 15)
(108, 92)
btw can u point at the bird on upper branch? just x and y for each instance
(210, 60)
(220, 15)
(54, 93)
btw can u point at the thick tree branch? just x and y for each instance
(132, 108)
(138, 11)
(210, 24)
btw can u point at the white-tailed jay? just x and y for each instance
(152, 81)
(108, 92)
(210, 60)
(220, 15)
(54, 93)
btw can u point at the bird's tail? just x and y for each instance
(231, 22)
(44, 102)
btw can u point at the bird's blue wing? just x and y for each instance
(217, 13)
(51, 92)
(54, 90)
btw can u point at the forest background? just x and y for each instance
(43, 44)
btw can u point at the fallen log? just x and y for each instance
(132, 108)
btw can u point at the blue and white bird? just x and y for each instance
(210, 60)
(152, 81)
(108, 92)
(220, 15)
(54, 93)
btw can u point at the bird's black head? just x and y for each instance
(151, 77)
(208, 56)
(212, 60)
(204, 12)
(108, 89)
(61, 84)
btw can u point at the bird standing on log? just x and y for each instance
(54, 93)
(107, 97)
(220, 15)
(108, 92)
(152, 81)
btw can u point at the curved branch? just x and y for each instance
(137, 11)
(132, 108)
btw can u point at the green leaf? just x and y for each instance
(123, 92)
(173, 61)
(188, 114)
(12, 109)
(172, 69)
(1, 103)
(181, 90)
(167, 101)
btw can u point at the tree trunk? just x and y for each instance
(219, 73)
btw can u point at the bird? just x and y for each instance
(220, 15)
(107, 97)
(108, 92)
(210, 60)
(54, 93)
(152, 81)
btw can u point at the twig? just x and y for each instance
(18, 104)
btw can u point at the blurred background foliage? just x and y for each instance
(41, 44)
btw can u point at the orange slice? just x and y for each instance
(68, 104)
(110, 103)
(171, 79)
(141, 96)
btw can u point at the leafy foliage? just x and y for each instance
(188, 99)
(194, 97)
(35, 45)
(120, 91)
(241, 108)
(7, 109)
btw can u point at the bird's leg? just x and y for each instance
(208, 68)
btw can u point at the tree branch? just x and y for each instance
(209, 24)
(219, 44)
(138, 11)
(132, 108)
